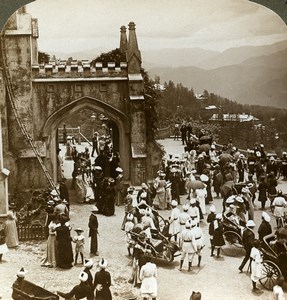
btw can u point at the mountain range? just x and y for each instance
(248, 75)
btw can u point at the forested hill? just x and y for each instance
(258, 75)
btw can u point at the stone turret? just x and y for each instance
(124, 40)
(133, 53)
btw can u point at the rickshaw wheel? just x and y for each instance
(270, 274)
(233, 244)
(168, 255)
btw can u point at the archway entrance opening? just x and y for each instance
(84, 134)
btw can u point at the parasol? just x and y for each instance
(204, 148)
(227, 187)
(225, 157)
(205, 139)
(195, 184)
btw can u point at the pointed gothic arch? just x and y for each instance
(49, 130)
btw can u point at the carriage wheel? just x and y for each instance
(270, 274)
(161, 223)
(233, 244)
(168, 255)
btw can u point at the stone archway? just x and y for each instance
(49, 131)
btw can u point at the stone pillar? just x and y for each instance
(137, 109)
(123, 40)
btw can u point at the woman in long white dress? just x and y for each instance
(50, 259)
(160, 185)
(11, 231)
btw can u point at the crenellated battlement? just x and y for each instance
(79, 69)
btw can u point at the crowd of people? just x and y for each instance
(185, 187)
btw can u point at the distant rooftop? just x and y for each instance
(233, 117)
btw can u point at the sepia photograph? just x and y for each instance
(143, 149)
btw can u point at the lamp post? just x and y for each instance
(93, 118)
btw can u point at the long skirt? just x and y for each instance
(50, 259)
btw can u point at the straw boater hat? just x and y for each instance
(98, 168)
(250, 223)
(83, 276)
(218, 216)
(239, 199)
(204, 178)
(21, 273)
(174, 203)
(266, 217)
(88, 263)
(230, 199)
(103, 263)
(79, 229)
(144, 186)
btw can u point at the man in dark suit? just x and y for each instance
(248, 238)
(93, 233)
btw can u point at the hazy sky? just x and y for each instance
(73, 25)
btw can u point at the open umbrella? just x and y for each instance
(205, 139)
(204, 148)
(224, 158)
(228, 187)
(195, 184)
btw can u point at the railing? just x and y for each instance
(31, 232)
(163, 133)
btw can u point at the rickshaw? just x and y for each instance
(233, 238)
(159, 246)
(274, 261)
(31, 291)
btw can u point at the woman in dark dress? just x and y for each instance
(109, 195)
(64, 245)
(218, 240)
(262, 188)
(102, 282)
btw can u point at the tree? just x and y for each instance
(115, 55)
(152, 96)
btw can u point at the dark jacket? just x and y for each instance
(80, 291)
